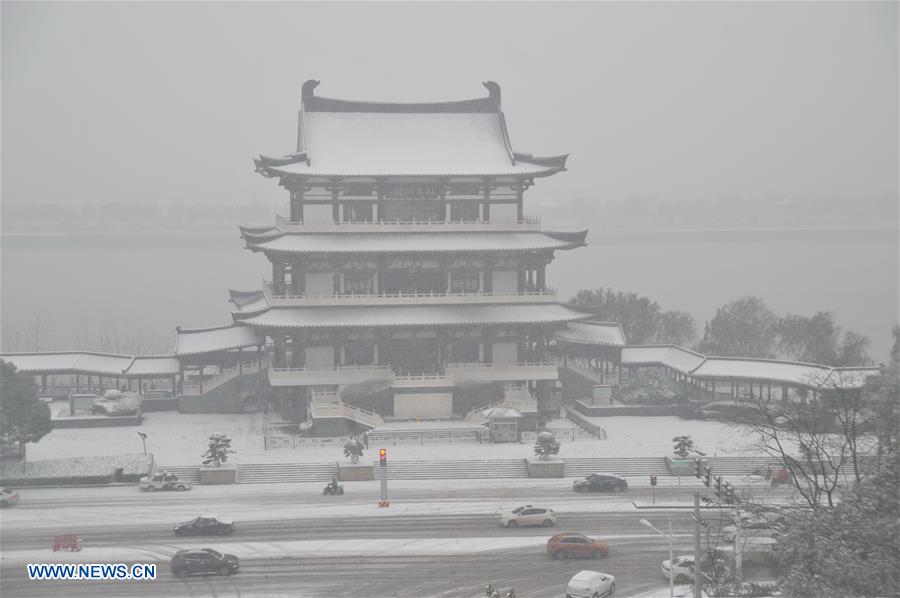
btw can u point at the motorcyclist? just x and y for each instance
(333, 485)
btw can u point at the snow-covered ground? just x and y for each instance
(180, 439)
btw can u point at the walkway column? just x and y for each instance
(77, 382)
(241, 359)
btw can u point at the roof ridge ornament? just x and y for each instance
(493, 91)
(308, 88)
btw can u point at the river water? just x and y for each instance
(69, 290)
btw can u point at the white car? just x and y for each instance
(591, 584)
(528, 515)
(755, 529)
(683, 570)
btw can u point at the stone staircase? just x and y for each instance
(741, 465)
(263, 473)
(267, 473)
(329, 405)
(193, 389)
(636, 466)
(436, 470)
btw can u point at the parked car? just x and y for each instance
(163, 481)
(683, 569)
(571, 545)
(205, 525)
(601, 482)
(8, 497)
(203, 561)
(591, 584)
(118, 403)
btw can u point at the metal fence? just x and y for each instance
(473, 436)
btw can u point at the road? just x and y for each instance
(436, 539)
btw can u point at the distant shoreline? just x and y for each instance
(605, 229)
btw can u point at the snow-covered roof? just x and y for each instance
(153, 366)
(500, 413)
(418, 242)
(348, 138)
(418, 315)
(593, 333)
(670, 356)
(730, 368)
(208, 340)
(248, 302)
(105, 364)
(746, 369)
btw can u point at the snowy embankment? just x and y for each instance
(97, 469)
(179, 439)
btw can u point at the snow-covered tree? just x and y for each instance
(354, 448)
(683, 447)
(546, 445)
(218, 450)
(851, 549)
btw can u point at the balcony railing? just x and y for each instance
(346, 374)
(528, 223)
(547, 295)
(495, 372)
(453, 374)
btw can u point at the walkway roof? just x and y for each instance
(670, 356)
(738, 369)
(85, 362)
(431, 242)
(412, 316)
(210, 340)
(591, 332)
(347, 138)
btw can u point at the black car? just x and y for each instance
(205, 525)
(203, 561)
(601, 482)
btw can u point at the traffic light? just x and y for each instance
(708, 481)
(382, 456)
(698, 468)
(653, 479)
(718, 485)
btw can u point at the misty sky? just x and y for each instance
(167, 101)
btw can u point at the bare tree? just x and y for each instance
(824, 439)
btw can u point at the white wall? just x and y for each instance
(320, 284)
(318, 214)
(320, 357)
(506, 281)
(435, 404)
(504, 212)
(506, 352)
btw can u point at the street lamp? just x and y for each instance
(646, 523)
(143, 441)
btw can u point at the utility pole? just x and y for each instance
(698, 576)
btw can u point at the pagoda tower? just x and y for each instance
(406, 272)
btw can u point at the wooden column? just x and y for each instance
(77, 382)
(240, 361)
(335, 193)
(277, 275)
(541, 277)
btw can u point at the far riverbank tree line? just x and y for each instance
(745, 327)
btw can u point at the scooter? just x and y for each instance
(333, 490)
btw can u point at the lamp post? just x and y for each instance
(143, 441)
(646, 523)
